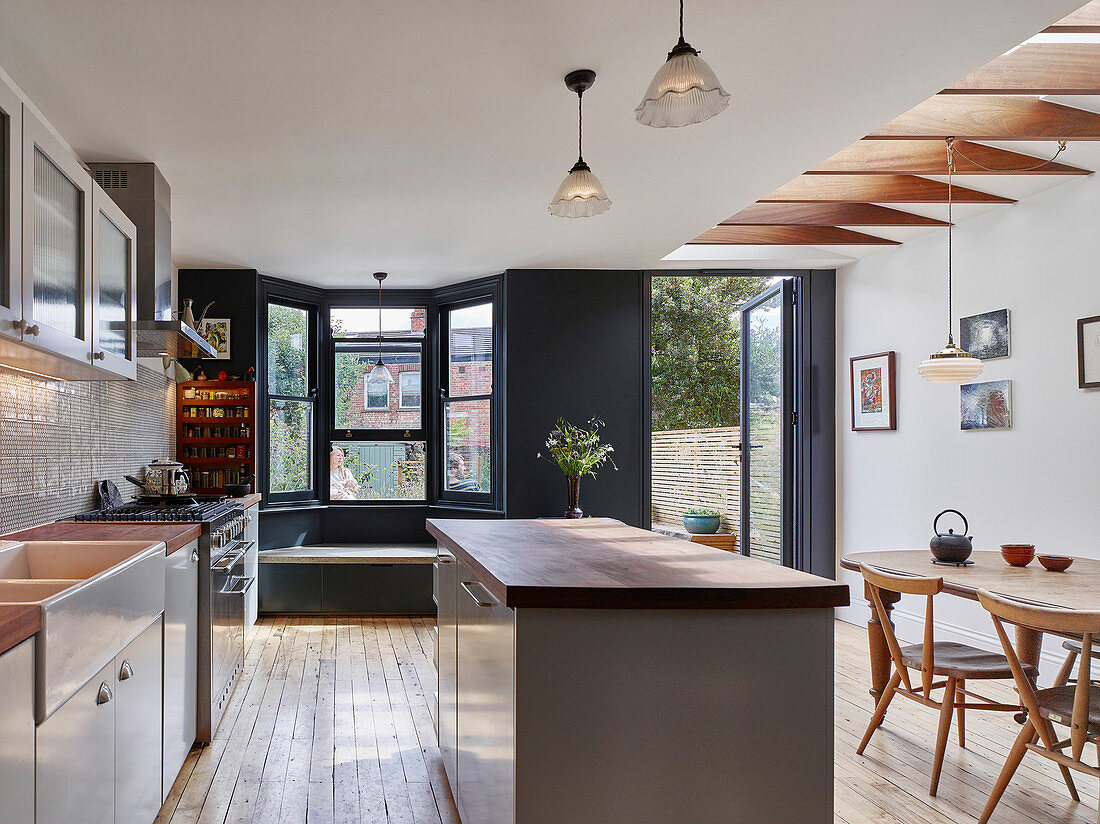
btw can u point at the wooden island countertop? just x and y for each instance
(600, 563)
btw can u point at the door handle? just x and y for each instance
(229, 561)
(104, 695)
(126, 673)
(487, 600)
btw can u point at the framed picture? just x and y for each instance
(215, 331)
(1088, 352)
(985, 336)
(874, 392)
(986, 405)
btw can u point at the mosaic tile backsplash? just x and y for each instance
(57, 438)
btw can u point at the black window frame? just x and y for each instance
(367, 299)
(308, 300)
(448, 300)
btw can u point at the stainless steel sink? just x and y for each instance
(96, 597)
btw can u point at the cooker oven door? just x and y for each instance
(228, 586)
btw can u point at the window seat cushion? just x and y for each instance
(351, 554)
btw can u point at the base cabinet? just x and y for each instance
(446, 585)
(17, 741)
(75, 765)
(99, 755)
(181, 644)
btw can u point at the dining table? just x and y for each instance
(1076, 588)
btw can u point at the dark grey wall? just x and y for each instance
(234, 292)
(573, 348)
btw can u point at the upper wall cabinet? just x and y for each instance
(11, 239)
(68, 259)
(114, 285)
(57, 245)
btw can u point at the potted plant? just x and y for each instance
(577, 451)
(702, 521)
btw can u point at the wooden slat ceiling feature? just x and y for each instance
(874, 189)
(928, 157)
(991, 117)
(827, 214)
(1037, 68)
(1086, 20)
(788, 236)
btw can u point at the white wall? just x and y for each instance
(1036, 483)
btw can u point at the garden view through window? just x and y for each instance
(467, 402)
(377, 451)
(290, 400)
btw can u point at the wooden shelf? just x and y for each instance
(209, 475)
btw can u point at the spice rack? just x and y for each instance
(216, 432)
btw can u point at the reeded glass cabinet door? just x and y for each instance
(56, 245)
(114, 265)
(11, 171)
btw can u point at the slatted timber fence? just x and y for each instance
(697, 468)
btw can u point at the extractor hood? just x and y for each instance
(141, 191)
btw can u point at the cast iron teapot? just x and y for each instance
(951, 548)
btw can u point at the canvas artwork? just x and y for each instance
(985, 336)
(874, 404)
(986, 405)
(215, 331)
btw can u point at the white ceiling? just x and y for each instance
(321, 141)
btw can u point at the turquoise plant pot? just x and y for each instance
(702, 524)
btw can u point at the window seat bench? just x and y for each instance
(347, 579)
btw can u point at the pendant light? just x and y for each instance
(685, 89)
(581, 194)
(380, 372)
(951, 364)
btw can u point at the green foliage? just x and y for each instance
(577, 449)
(289, 421)
(696, 357)
(701, 512)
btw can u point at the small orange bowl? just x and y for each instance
(1018, 555)
(1055, 563)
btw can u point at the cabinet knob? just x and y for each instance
(126, 673)
(104, 695)
(194, 556)
(33, 330)
(98, 355)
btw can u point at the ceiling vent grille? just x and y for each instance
(112, 178)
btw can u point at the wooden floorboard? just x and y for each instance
(333, 723)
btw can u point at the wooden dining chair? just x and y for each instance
(957, 663)
(1076, 706)
(1073, 646)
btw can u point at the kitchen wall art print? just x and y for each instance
(986, 405)
(985, 336)
(1088, 352)
(874, 392)
(215, 331)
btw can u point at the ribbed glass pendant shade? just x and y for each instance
(950, 365)
(580, 195)
(380, 373)
(685, 90)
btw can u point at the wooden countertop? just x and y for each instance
(248, 500)
(18, 622)
(603, 564)
(174, 535)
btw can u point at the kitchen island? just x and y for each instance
(594, 672)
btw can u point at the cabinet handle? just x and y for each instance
(99, 355)
(194, 556)
(126, 673)
(104, 695)
(445, 559)
(484, 601)
(33, 330)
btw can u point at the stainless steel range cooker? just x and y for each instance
(223, 590)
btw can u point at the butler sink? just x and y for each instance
(96, 597)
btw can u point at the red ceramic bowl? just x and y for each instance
(1055, 563)
(1018, 555)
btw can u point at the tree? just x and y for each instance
(288, 332)
(696, 357)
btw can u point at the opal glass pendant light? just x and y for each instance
(380, 372)
(951, 364)
(581, 194)
(685, 89)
